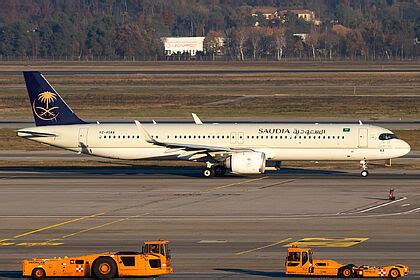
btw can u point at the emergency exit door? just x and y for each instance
(363, 137)
(83, 133)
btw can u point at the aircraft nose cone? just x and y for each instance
(404, 147)
(407, 147)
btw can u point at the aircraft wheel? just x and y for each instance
(364, 173)
(207, 172)
(38, 273)
(104, 268)
(394, 273)
(219, 170)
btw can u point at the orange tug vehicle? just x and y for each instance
(154, 260)
(299, 262)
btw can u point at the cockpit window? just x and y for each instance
(387, 136)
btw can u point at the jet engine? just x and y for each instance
(246, 162)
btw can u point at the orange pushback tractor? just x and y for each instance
(154, 260)
(299, 261)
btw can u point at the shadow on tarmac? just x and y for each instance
(11, 274)
(251, 272)
(194, 172)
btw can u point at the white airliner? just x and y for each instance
(237, 148)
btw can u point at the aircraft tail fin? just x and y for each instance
(47, 105)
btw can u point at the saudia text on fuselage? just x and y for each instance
(293, 131)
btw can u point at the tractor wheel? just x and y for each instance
(394, 273)
(104, 268)
(346, 272)
(38, 273)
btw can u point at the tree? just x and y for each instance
(213, 43)
(279, 41)
(255, 38)
(239, 38)
(313, 40)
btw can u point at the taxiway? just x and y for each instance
(232, 227)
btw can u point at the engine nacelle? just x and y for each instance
(246, 162)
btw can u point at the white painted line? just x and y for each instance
(382, 205)
(405, 205)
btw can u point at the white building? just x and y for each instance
(174, 45)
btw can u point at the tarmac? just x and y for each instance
(236, 227)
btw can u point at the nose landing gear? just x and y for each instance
(364, 167)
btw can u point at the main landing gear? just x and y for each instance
(364, 167)
(215, 170)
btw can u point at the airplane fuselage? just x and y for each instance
(277, 141)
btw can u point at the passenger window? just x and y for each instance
(138, 136)
(104, 136)
(128, 136)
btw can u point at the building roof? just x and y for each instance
(264, 10)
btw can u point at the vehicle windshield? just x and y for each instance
(387, 136)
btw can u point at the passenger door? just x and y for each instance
(363, 138)
(83, 137)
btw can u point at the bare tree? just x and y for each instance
(256, 36)
(239, 38)
(279, 41)
(313, 40)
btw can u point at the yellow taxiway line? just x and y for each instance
(57, 225)
(263, 247)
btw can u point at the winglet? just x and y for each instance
(143, 132)
(360, 122)
(196, 119)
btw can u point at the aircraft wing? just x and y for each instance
(192, 147)
(187, 147)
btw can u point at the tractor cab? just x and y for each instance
(299, 261)
(157, 247)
